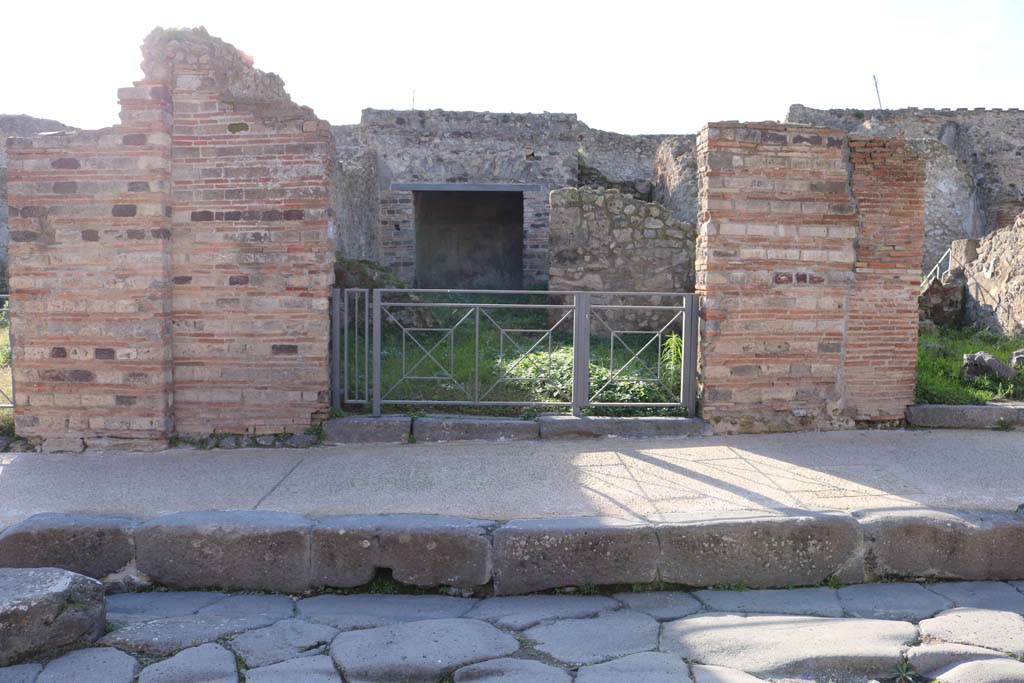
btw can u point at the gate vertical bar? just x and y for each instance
(691, 318)
(376, 352)
(337, 364)
(581, 353)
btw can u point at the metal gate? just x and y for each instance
(571, 349)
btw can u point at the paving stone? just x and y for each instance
(166, 636)
(1003, 631)
(524, 611)
(22, 673)
(316, 669)
(426, 429)
(982, 595)
(95, 665)
(243, 550)
(369, 611)
(130, 608)
(418, 651)
(507, 670)
(931, 658)
(93, 545)
(806, 647)
(662, 605)
(649, 667)
(589, 641)
(45, 610)
(945, 544)
(421, 550)
(365, 429)
(301, 441)
(571, 427)
(204, 664)
(804, 548)
(705, 673)
(287, 639)
(899, 601)
(820, 602)
(251, 607)
(537, 554)
(985, 671)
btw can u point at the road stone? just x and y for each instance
(418, 651)
(1003, 631)
(820, 602)
(898, 601)
(130, 608)
(985, 671)
(92, 545)
(705, 673)
(204, 664)
(649, 667)
(94, 665)
(287, 639)
(166, 636)
(370, 611)
(931, 658)
(22, 673)
(981, 595)
(507, 670)
(662, 605)
(520, 612)
(45, 610)
(798, 646)
(251, 607)
(589, 641)
(317, 669)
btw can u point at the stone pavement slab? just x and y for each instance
(992, 595)
(1003, 631)
(662, 605)
(821, 602)
(898, 601)
(589, 641)
(316, 669)
(705, 673)
(647, 479)
(931, 658)
(508, 670)
(166, 636)
(347, 612)
(986, 671)
(287, 639)
(129, 608)
(95, 665)
(207, 663)
(22, 673)
(521, 612)
(649, 667)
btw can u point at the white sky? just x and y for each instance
(631, 66)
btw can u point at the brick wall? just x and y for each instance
(796, 331)
(171, 274)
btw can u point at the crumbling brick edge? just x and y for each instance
(286, 552)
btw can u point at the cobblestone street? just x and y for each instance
(956, 632)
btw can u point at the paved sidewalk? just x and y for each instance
(958, 632)
(647, 479)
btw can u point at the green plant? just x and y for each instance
(833, 582)
(904, 673)
(1003, 425)
(336, 413)
(940, 356)
(317, 431)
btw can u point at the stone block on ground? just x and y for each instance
(758, 549)
(817, 648)
(572, 427)
(93, 665)
(164, 637)
(649, 667)
(21, 673)
(705, 673)
(366, 429)
(208, 663)
(347, 612)
(1003, 631)
(43, 611)
(316, 669)
(983, 364)
(817, 602)
(898, 601)
(519, 612)
(662, 605)
(508, 670)
(984, 671)
(287, 639)
(420, 550)
(256, 607)
(240, 550)
(994, 595)
(63, 444)
(537, 554)
(93, 545)
(917, 543)
(599, 639)
(130, 608)
(938, 416)
(418, 651)
(930, 658)
(434, 428)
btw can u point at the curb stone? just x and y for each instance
(92, 545)
(426, 429)
(366, 429)
(986, 416)
(570, 426)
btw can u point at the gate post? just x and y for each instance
(691, 318)
(376, 352)
(336, 365)
(581, 353)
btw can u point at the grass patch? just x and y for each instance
(940, 356)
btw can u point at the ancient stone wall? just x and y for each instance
(807, 261)
(356, 200)
(603, 240)
(171, 274)
(15, 126)
(995, 281)
(985, 163)
(675, 177)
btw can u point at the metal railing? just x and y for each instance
(937, 271)
(569, 349)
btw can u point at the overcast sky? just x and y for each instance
(631, 67)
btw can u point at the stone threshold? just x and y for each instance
(285, 552)
(987, 416)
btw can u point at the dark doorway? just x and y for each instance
(469, 240)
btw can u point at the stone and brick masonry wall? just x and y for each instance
(171, 274)
(808, 256)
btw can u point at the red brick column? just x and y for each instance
(793, 277)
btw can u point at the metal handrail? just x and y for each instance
(934, 273)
